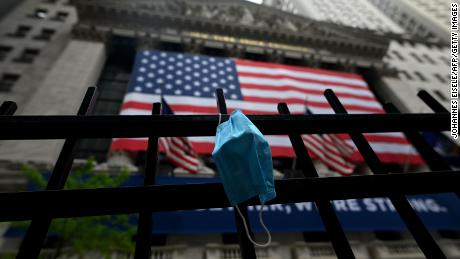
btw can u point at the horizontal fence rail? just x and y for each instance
(44, 206)
(106, 201)
(61, 127)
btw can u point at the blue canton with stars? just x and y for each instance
(169, 73)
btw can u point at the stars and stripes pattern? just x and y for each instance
(188, 83)
(178, 150)
(330, 150)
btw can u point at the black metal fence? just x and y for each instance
(43, 206)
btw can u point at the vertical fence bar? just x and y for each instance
(38, 228)
(431, 157)
(8, 108)
(144, 227)
(331, 222)
(439, 164)
(246, 247)
(434, 161)
(421, 235)
(431, 101)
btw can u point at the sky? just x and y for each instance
(255, 1)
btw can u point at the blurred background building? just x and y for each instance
(418, 50)
(418, 32)
(429, 20)
(52, 50)
(361, 14)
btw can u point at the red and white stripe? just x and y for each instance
(180, 153)
(330, 150)
(263, 86)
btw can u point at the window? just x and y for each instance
(4, 51)
(39, 13)
(440, 95)
(403, 17)
(420, 76)
(45, 34)
(440, 78)
(411, 23)
(60, 16)
(417, 58)
(431, 35)
(7, 81)
(422, 30)
(429, 59)
(404, 75)
(27, 56)
(20, 32)
(394, 52)
(445, 60)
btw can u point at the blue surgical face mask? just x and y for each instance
(244, 161)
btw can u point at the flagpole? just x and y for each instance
(406, 163)
(294, 160)
(408, 158)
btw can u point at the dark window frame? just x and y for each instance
(5, 51)
(28, 55)
(398, 55)
(46, 34)
(7, 81)
(417, 58)
(429, 59)
(21, 31)
(440, 95)
(440, 78)
(406, 75)
(420, 76)
(61, 16)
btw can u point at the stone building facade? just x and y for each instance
(52, 50)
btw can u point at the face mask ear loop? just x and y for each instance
(261, 223)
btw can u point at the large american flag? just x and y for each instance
(188, 82)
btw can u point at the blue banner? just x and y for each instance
(438, 212)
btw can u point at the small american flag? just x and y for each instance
(331, 150)
(178, 150)
(188, 82)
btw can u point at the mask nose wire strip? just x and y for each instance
(261, 223)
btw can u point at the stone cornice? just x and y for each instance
(239, 19)
(91, 33)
